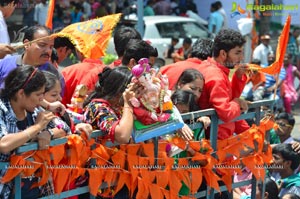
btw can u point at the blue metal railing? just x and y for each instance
(255, 114)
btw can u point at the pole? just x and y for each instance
(140, 13)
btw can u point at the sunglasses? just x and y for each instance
(284, 124)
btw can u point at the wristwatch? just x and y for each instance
(51, 133)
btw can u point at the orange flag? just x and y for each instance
(280, 51)
(50, 14)
(91, 37)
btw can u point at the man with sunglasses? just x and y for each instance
(285, 122)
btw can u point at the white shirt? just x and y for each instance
(223, 13)
(87, 10)
(289, 140)
(40, 13)
(4, 37)
(261, 53)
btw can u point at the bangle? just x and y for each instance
(48, 107)
(129, 108)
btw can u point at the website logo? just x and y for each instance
(277, 9)
(236, 10)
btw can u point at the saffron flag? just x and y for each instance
(91, 37)
(280, 51)
(50, 14)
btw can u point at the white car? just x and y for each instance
(160, 29)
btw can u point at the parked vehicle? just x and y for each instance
(159, 30)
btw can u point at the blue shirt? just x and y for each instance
(270, 80)
(11, 62)
(215, 19)
(6, 65)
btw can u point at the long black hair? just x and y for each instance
(51, 80)
(111, 83)
(188, 76)
(271, 188)
(28, 78)
(185, 97)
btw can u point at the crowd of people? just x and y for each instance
(34, 95)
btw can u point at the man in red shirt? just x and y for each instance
(122, 36)
(81, 74)
(219, 92)
(201, 50)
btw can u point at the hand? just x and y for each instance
(186, 133)
(133, 91)
(296, 146)
(6, 49)
(243, 104)
(43, 118)
(57, 107)
(241, 70)
(205, 120)
(44, 139)
(84, 128)
(280, 185)
(270, 89)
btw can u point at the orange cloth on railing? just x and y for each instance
(132, 164)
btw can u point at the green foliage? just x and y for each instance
(109, 58)
(73, 58)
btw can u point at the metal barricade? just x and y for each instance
(256, 114)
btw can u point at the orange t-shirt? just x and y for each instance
(257, 78)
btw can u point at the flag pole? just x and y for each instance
(34, 41)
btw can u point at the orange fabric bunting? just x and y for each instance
(148, 149)
(60, 179)
(196, 175)
(57, 152)
(95, 179)
(156, 191)
(174, 183)
(134, 164)
(91, 37)
(12, 172)
(162, 179)
(143, 190)
(124, 179)
(119, 159)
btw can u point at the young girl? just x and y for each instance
(185, 102)
(22, 120)
(289, 91)
(108, 108)
(52, 94)
(192, 81)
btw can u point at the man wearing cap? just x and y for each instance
(262, 51)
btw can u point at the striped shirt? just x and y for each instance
(8, 124)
